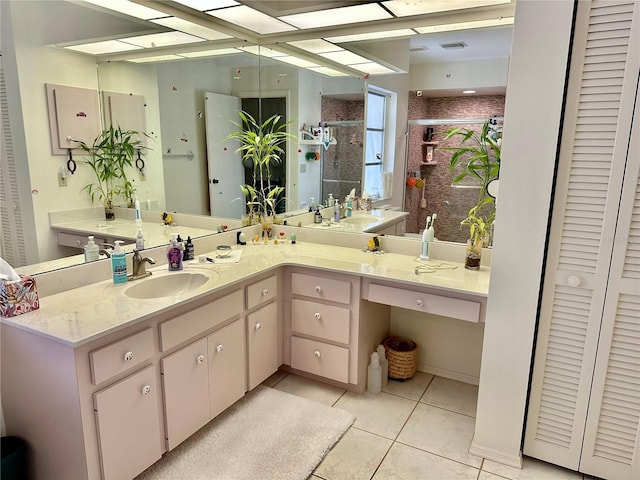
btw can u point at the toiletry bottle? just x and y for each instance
(189, 250)
(330, 200)
(138, 216)
(424, 248)
(348, 206)
(118, 263)
(384, 364)
(317, 216)
(336, 211)
(174, 256)
(91, 250)
(139, 239)
(374, 374)
(326, 133)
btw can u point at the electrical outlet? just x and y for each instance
(62, 181)
(142, 176)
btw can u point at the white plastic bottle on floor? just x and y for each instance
(374, 374)
(384, 365)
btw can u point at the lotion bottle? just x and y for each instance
(91, 250)
(427, 236)
(174, 255)
(336, 211)
(118, 263)
(384, 364)
(139, 239)
(374, 374)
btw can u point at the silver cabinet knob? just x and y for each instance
(128, 356)
(419, 303)
(219, 348)
(318, 289)
(265, 292)
(317, 353)
(146, 390)
(574, 281)
(317, 315)
(258, 326)
(200, 359)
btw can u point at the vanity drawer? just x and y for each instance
(321, 287)
(193, 323)
(262, 291)
(319, 320)
(425, 302)
(77, 241)
(321, 359)
(120, 356)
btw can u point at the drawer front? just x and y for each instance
(321, 287)
(182, 328)
(77, 241)
(120, 356)
(262, 291)
(424, 302)
(319, 320)
(321, 359)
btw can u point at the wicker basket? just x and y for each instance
(402, 355)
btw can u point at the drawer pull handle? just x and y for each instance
(146, 390)
(219, 348)
(200, 359)
(128, 356)
(574, 281)
(318, 289)
(317, 354)
(258, 326)
(317, 315)
(265, 292)
(420, 303)
(78, 242)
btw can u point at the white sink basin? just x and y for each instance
(168, 285)
(361, 220)
(325, 226)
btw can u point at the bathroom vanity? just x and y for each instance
(103, 379)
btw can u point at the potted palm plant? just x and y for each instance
(111, 152)
(261, 146)
(477, 156)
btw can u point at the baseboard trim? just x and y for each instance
(441, 372)
(496, 455)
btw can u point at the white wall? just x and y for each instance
(532, 122)
(468, 74)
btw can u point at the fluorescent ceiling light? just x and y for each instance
(191, 28)
(251, 19)
(316, 46)
(99, 48)
(405, 8)
(298, 62)
(161, 39)
(492, 22)
(328, 71)
(372, 36)
(469, 92)
(345, 57)
(156, 58)
(211, 53)
(372, 67)
(338, 16)
(203, 5)
(129, 8)
(262, 51)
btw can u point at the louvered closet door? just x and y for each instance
(598, 113)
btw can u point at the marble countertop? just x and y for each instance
(365, 221)
(83, 314)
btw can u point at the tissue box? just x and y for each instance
(18, 296)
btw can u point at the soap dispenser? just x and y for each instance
(91, 250)
(317, 216)
(189, 250)
(330, 200)
(118, 263)
(139, 239)
(174, 255)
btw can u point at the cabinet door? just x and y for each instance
(186, 391)
(262, 335)
(227, 374)
(129, 425)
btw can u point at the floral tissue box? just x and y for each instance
(18, 296)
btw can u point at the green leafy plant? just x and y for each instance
(111, 152)
(261, 146)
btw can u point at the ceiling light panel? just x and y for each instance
(155, 58)
(129, 8)
(191, 28)
(405, 8)
(372, 67)
(203, 5)
(316, 46)
(298, 62)
(345, 57)
(162, 39)
(251, 19)
(99, 48)
(328, 71)
(382, 35)
(262, 51)
(211, 53)
(338, 16)
(492, 22)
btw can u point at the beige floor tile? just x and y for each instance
(413, 389)
(274, 379)
(310, 389)
(355, 457)
(489, 476)
(405, 462)
(532, 469)
(452, 395)
(441, 432)
(382, 414)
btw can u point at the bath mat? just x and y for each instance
(268, 434)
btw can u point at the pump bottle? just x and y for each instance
(91, 250)
(174, 255)
(139, 239)
(118, 263)
(374, 374)
(427, 237)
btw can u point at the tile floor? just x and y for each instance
(413, 430)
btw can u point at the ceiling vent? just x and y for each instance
(454, 45)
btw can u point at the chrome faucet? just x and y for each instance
(139, 267)
(104, 252)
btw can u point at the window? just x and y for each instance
(373, 159)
